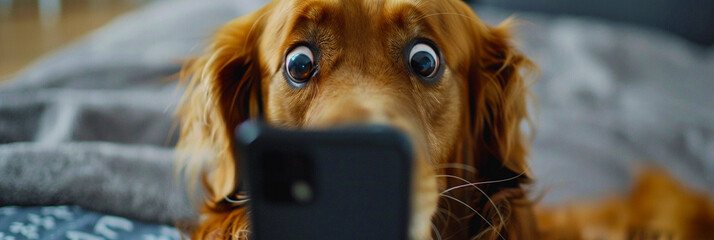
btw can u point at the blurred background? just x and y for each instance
(30, 28)
(691, 19)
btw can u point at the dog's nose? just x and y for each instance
(346, 112)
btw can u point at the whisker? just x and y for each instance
(487, 182)
(448, 213)
(447, 217)
(438, 234)
(474, 210)
(440, 215)
(498, 212)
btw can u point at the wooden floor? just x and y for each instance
(25, 35)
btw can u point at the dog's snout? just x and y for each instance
(367, 110)
(350, 112)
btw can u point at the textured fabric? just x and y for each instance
(75, 223)
(612, 99)
(90, 127)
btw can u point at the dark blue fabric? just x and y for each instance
(75, 223)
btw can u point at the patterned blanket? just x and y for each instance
(75, 223)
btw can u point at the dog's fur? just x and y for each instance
(470, 151)
(657, 208)
(465, 128)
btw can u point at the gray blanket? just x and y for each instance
(91, 125)
(613, 99)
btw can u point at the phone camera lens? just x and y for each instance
(302, 192)
(291, 177)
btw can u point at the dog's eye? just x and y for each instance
(299, 64)
(423, 60)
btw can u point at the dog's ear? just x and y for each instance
(498, 94)
(223, 90)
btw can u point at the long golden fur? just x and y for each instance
(470, 152)
(658, 207)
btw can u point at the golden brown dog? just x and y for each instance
(428, 67)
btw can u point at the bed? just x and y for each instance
(86, 133)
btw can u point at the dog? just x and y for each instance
(431, 68)
(456, 86)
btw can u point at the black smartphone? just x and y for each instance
(342, 183)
